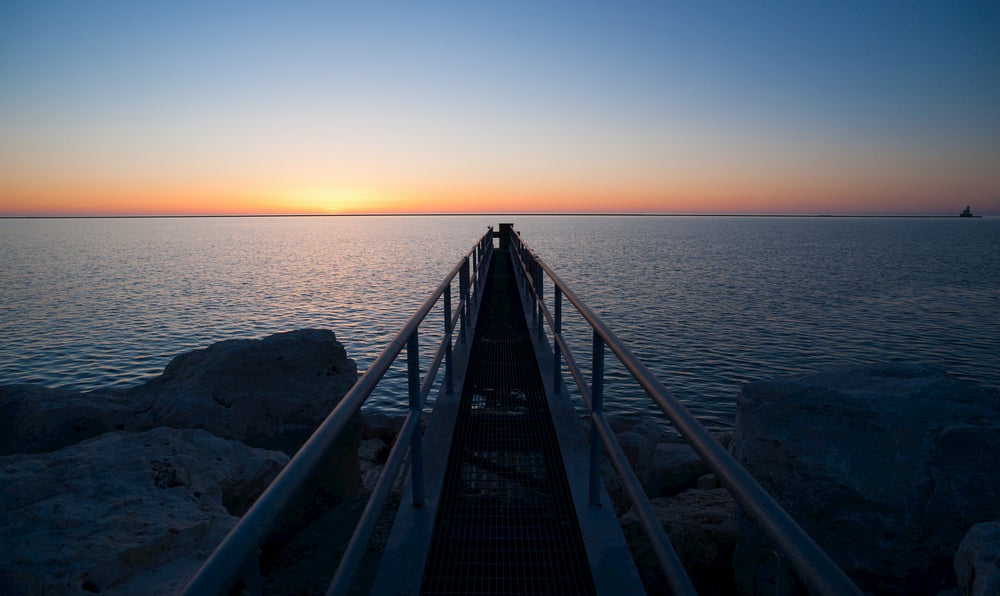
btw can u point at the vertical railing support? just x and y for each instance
(556, 352)
(448, 378)
(416, 441)
(540, 298)
(596, 408)
(463, 294)
(529, 280)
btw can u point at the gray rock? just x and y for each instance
(371, 460)
(381, 425)
(885, 466)
(675, 468)
(36, 419)
(615, 487)
(977, 562)
(639, 449)
(709, 482)
(111, 510)
(701, 525)
(269, 393)
(724, 439)
(619, 424)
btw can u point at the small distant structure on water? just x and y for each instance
(967, 212)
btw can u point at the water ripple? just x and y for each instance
(707, 303)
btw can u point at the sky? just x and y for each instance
(134, 107)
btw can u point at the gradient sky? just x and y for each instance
(138, 107)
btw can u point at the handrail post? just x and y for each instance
(416, 441)
(485, 248)
(528, 278)
(448, 382)
(556, 353)
(463, 293)
(596, 409)
(540, 296)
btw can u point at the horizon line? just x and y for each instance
(482, 214)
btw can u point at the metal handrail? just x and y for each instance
(813, 566)
(234, 562)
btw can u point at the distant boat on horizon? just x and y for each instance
(968, 212)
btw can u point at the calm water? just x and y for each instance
(708, 303)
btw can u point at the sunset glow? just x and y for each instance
(178, 109)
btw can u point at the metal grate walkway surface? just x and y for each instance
(506, 521)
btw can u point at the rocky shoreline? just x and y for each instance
(891, 468)
(129, 491)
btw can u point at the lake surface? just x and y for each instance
(708, 303)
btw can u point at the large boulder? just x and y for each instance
(885, 466)
(270, 393)
(108, 513)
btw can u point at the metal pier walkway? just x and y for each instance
(506, 521)
(503, 488)
(505, 508)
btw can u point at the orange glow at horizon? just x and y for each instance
(741, 191)
(362, 200)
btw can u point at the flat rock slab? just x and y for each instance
(37, 419)
(124, 510)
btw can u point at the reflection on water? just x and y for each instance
(708, 303)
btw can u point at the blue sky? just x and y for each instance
(672, 105)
